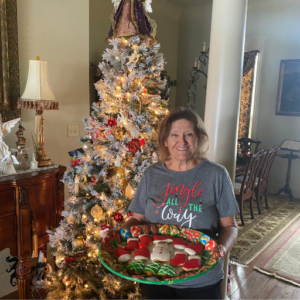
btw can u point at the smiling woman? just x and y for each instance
(185, 189)
(182, 139)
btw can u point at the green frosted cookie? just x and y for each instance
(152, 268)
(167, 270)
(136, 267)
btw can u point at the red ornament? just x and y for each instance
(142, 142)
(134, 146)
(94, 179)
(118, 217)
(96, 134)
(75, 163)
(112, 122)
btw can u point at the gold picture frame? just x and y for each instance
(9, 63)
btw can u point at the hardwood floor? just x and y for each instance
(247, 283)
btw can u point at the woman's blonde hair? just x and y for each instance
(202, 141)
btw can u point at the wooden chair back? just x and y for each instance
(267, 165)
(248, 183)
(249, 145)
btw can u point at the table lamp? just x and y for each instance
(39, 96)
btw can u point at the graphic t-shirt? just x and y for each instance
(195, 199)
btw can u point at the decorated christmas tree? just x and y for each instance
(119, 145)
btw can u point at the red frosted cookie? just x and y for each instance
(210, 245)
(180, 243)
(136, 230)
(145, 240)
(122, 255)
(132, 244)
(142, 254)
(192, 264)
(179, 259)
(193, 249)
(162, 239)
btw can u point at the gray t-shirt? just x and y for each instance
(196, 199)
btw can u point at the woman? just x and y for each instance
(185, 189)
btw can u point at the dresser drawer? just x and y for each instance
(7, 201)
(7, 227)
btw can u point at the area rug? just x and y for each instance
(284, 262)
(259, 232)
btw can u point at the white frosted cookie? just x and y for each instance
(132, 239)
(160, 252)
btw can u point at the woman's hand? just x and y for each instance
(136, 219)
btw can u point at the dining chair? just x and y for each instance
(263, 176)
(245, 190)
(246, 144)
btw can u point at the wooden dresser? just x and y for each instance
(37, 195)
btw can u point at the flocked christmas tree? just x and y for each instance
(120, 144)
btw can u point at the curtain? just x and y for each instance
(246, 95)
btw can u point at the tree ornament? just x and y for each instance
(120, 172)
(74, 161)
(118, 161)
(97, 212)
(154, 158)
(133, 146)
(78, 243)
(86, 145)
(85, 182)
(118, 217)
(84, 218)
(67, 280)
(129, 192)
(60, 260)
(112, 122)
(88, 196)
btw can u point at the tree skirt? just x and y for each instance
(259, 232)
(284, 263)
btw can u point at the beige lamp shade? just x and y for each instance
(38, 94)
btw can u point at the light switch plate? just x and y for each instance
(73, 130)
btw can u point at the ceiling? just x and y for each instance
(188, 3)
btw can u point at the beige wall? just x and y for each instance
(274, 27)
(57, 31)
(194, 30)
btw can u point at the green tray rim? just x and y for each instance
(154, 282)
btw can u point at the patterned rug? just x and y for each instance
(284, 263)
(259, 232)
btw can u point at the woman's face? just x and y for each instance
(181, 140)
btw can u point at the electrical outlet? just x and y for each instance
(73, 130)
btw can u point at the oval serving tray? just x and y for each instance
(209, 258)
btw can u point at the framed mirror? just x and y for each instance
(9, 63)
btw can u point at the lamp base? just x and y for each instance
(41, 155)
(45, 163)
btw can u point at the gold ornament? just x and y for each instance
(129, 192)
(85, 179)
(120, 172)
(97, 212)
(84, 219)
(78, 243)
(88, 196)
(67, 280)
(60, 260)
